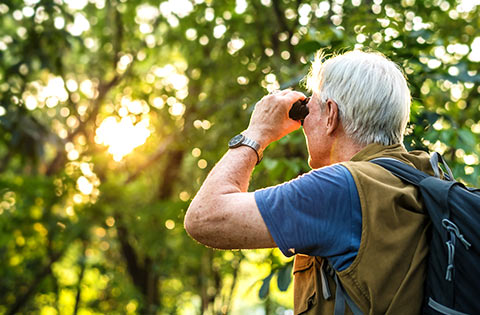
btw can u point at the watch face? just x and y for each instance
(236, 141)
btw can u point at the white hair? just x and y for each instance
(371, 93)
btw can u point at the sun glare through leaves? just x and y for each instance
(122, 136)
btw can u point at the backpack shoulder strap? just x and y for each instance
(406, 172)
(437, 159)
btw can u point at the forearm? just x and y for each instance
(230, 175)
(223, 214)
(219, 213)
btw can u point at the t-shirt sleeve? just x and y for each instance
(316, 214)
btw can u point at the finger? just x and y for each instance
(284, 98)
(284, 92)
(292, 97)
(292, 125)
(273, 92)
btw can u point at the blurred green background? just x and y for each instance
(113, 112)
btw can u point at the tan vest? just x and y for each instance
(388, 273)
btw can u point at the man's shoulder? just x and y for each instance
(417, 158)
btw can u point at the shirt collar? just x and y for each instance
(375, 150)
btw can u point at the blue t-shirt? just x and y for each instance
(316, 214)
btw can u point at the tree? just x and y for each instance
(112, 112)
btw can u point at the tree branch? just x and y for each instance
(60, 159)
(46, 271)
(170, 174)
(80, 278)
(151, 160)
(284, 25)
(103, 89)
(134, 269)
(236, 269)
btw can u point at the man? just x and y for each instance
(346, 213)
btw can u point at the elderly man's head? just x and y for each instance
(371, 93)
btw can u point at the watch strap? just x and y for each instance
(240, 140)
(255, 146)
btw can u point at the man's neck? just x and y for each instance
(345, 150)
(341, 150)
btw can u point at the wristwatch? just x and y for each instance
(240, 140)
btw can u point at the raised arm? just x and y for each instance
(223, 214)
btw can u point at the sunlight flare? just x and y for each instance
(122, 136)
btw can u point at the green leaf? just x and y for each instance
(265, 288)
(309, 46)
(269, 163)
(285, 276)
(467, 138)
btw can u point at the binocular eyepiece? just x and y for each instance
(299, 110)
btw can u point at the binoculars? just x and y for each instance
(299, 110)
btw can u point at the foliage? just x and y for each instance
(112, 113)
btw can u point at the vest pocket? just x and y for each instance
(305, 291)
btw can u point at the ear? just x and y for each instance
(333, 119)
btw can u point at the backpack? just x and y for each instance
(453, 272)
